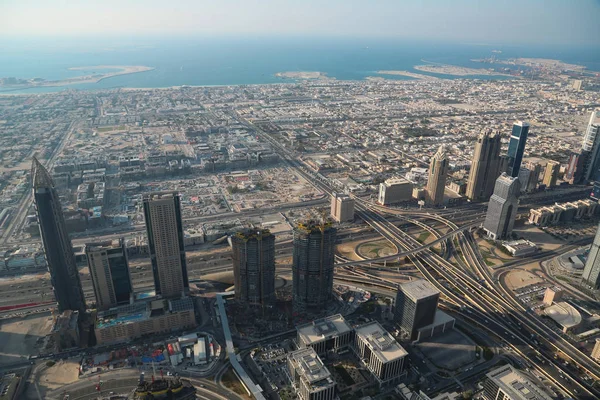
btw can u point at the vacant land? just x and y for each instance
(19, 337)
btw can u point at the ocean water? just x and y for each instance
(241, 61)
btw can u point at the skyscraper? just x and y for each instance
(162, 212)
(312, 268)
(502, 208)
(438, 171)
(109, 270)
(342, 207)
(485, 166)
(591, 271)
(551, 174)
(574, 173)
(416, 304)
(590, 148)
(534, 176)
(516, 147)
(58, 249)
(254, 266)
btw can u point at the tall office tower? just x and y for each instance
(109, 270)
(516, 147)
(551, 174)
(438, 171)
(502, 208)
(416, 304)
(507, 383)
(254, 266)
(162, 212)
(574, 171)
(534, 176)
(485, 165)
(312, 268)
(342, 207)
(503, 167)
(524, 175)
(58, 249)
(591, 271)
(591, 148)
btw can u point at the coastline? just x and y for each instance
(92, 78)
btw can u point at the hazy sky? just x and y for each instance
(475, 21)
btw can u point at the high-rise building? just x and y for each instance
(58, 249)
(534, 176)
(342, 207)
(485, 166)
(438, 172)
(254, 266)
(416, 305)
(575, 168)
(310, 377)
(591, 148)
(516, 147)
(551, 174)
(312, 268)
(502, 208)
(591, 271)
(162, 212)
(596, 350)
(507, 383)
(503, 167)
(109, 270)
(524, 175)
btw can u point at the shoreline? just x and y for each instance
(409, 74)
(86, 79)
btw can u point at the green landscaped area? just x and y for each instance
(423, 237)
(379, 248)
(111, 128)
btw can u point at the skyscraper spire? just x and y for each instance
(39, 175)
(438, 171)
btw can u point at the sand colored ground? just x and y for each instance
(539, 237)
(348, 250)
(60, 374)
(18, 337)
(377, 248)
(518, 279)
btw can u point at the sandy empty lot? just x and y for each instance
(518, 279)
(18, 336)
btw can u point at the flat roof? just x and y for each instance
(516, 385)
(382, 344)
(419, 289)
(309, 365)
(564, 314)
(321, 329)
(396, 181)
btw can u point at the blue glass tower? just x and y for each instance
(516, 147)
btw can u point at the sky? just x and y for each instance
(574, 22)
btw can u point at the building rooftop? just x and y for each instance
(515, 385)
(141, 311)
(381, 343)
(309, 365)
(160, 195)
(419, 289)
(440, 318)
(397, 181)
(323, 328)
(564, 314)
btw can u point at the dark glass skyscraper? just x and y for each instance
(312, 268)
(516, 147)
(109, 270)
(162, 212)
(253, 254)
(58, 249)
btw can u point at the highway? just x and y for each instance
(485, 304)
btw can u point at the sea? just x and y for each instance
(215, 61)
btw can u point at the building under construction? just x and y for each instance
(254, 266)
(312, 269)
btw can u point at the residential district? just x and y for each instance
(384, 239)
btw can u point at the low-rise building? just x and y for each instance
(552, 295)
(507, 383)
(311, 379)
(380, 353)
(395, 191)
(144, 317)
(520, 248)
(326, 334)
